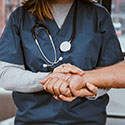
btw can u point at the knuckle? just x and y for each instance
(69, 64)
(44, 87)
(55, 88)
(67, 92)
(55, 70)
(62, 90)
(54, 79)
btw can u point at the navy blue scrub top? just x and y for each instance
(95, 45)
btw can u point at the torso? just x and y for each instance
(41, 108)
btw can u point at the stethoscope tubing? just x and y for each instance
(38, 45)
(41, 26)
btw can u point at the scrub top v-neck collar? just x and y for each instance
(67, 27)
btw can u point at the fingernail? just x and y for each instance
(55, 97)
(41, 82)
(60, 96)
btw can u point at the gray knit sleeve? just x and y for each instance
(16, 78)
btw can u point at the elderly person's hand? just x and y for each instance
(56, 84)
(68, 68)
(76, 81)
(79, 88)
(67, 83)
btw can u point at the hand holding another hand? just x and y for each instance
(67, 83)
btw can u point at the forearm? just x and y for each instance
(109, 77)
(16, 78)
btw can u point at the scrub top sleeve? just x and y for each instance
(110, 47)
(10, 43)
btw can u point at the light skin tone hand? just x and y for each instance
(80, 89)
(56, 84)
(66, 83)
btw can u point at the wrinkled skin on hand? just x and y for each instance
(67, 83)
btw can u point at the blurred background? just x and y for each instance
(116, 107)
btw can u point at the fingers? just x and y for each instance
(56, 75)
(64, 98)
(81, 72)
(67, 99)
(65, 68)
(49, 85)
(68, 68)
(47, 82)
(81, 93)
(61, 76)
(92, 88)
(64, 89)
(57, 86)
(57, 98)
(84, 92)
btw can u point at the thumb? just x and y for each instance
(92, 88)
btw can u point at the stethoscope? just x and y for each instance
(65, 46)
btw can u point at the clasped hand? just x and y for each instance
(67, 82)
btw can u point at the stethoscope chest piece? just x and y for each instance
(65, 46)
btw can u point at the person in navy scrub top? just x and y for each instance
(44, 35)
